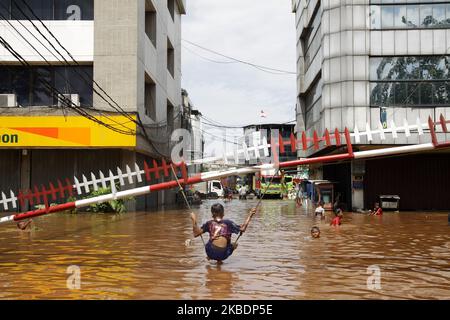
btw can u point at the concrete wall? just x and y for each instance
(115, 51)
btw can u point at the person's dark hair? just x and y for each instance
(217, 210)
(314, 229)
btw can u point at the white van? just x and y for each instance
(214, 186)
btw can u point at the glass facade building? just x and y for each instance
(366, 62)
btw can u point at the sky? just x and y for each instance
(258, 31)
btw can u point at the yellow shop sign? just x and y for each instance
(58, 131)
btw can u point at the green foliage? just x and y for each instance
(72, 211)
(114, 206)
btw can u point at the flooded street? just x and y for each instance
(143, 256)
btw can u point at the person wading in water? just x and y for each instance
(219, 246)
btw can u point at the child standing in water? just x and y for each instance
(320, 211)
(219, 246)
(337, 221)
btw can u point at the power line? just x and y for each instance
(116, 107)
(207, 59)
(63, 99)
(214, 123)
(48, 63)
(259, 67)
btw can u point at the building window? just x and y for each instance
(41, 94)
(411, 15)
(150, 98)
(311, 38)
(39, 86)
(312, 101)
(410, 81)
(5, 9)
(43, 9)
(170, 58)
(48, 10)
(150, 22)
(74, 10)
(171, 7)
(75, 80)
(170, 119)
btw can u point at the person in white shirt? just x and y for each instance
(320, 211)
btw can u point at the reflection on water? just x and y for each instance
(143, 256)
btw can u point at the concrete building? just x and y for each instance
(372, 61)
(267, 129)
(192, 122)
(130, 48)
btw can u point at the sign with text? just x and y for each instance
(70, 131)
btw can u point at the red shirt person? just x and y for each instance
(377, 211)
(337, 221)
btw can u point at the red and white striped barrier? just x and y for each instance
(157, 170)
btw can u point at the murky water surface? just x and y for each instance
(143, 256)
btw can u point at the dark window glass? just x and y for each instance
(74, 9)
(171, 7)
(43, 9)
(170, 58)
(413, 94)
(313, 95)
(410, 68)
(170, 119)
(75, 80)
(151, 26)
(5, 9)
(400, 91)
(33, 87)
(381, 93)
(395, 15)
(446, 94)
(440, 93)
(311, 40)
(42, 95)
(21, 85)
(426, 93)
(5, 80)
(150, 99)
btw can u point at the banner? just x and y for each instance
(65, 132)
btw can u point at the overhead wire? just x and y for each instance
(259, 67)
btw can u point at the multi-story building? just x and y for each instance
(370, 62)
(123, 69)
(273, 129)
(193, 123)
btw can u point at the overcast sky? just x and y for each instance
(257, 31)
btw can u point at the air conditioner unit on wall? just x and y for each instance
(63, 100)
(8, 101)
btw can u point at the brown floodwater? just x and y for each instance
(143, 256)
